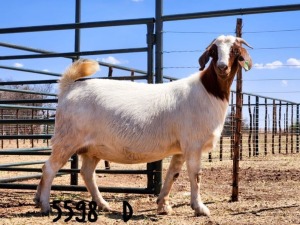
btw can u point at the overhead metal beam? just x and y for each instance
(232, 12)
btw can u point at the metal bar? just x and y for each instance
(266, 127)
(279, 127)
(273, 127)
(150, 43)
(65, 54)
(297, 129)
(79, 188)
(26, 101)
(24, 169)
(74, 162)
(286, 129)
(27, 149)
(5, 106)
(27, 121)
(70, 57)
(221, 148)
(22, 163)
(257, 126)
(69, 26)
(30, 71)
(262, 96)
(19, 178)
(292, 129)
(3, 83)
(232, 12)
(250, 126)
(55, 81)
(159, 41)
(28, 92)
(32, 136)
(7, 152)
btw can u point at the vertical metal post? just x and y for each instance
(287, 129)
(256, 126)
(250, 126)
(279, 127)
(266, 126)
(232, 115)
(238, 125)
(155, 180)
(74, 161)
(292, 129)
(159, 41)
(150, 43)
(274, 127)
(297, 129)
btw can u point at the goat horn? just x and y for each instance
(242, 41)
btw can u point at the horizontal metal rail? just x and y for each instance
(26, 101)
(70, 57)
(29, 136)
(8, 152)
(55, 81)
(232, 12)
(83, 53)
(22, 178)
(69, 26)
(28, 92)
(78, 170)
(22, 163)
(7, 106)
(19, 178)
(80, 188)
(27, 121)
(30, 70)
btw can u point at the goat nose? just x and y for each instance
(222, 66)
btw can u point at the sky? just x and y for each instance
(274, 37)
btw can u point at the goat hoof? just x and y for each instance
(105, 208)
(202, 211)
(45, 213)
(165, 210)
(37, 202)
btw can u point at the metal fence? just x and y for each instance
(29, 118)
(270, 126)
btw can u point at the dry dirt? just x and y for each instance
(269, 194)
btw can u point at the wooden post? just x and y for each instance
(238, 123)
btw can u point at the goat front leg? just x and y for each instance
(172, 174)
(193, 163)
(87, 172)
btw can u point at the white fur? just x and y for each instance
(224, 44)
(128, 122)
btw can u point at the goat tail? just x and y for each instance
(80, 68)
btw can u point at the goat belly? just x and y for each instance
(127, 155)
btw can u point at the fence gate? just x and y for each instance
(28, 118)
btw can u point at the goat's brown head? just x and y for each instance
(226, 52)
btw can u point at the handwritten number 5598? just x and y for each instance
(80, 206)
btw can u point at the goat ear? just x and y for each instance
(245, 60)
(203, 59)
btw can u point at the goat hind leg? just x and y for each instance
(50, 168)
(87, 172)
(172, 174)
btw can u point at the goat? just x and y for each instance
(126, 122)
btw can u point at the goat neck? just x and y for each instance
(215, 85)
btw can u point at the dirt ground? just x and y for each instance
(269, 194)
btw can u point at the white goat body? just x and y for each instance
(127, 122)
